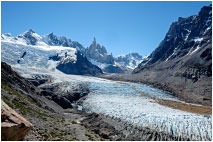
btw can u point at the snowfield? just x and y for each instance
(36, 56)
(131, 102)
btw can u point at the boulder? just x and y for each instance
(13, 126)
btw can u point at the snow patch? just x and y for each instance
(171, 55)
(192, 50)
(100, 65)
(197, 39)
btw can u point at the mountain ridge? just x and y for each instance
(182, 63)
(95, 53)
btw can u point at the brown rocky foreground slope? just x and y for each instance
(50, 121)
(13, 126)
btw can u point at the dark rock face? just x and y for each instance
(54, 40)
(184, 35)
(55, 58)
(113, 69)
(63, 102)
(29, 35)
(19, 85)
(37, 82)
(10, 77)
(81, 67)
(99, 53)
(183, 59)
(42, 96)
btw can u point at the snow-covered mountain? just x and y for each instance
(31, 38)
(131, 60)
(98, 55)
(49, 52)
(95, 53)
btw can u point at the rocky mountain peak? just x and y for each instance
(99, 53)
(205, 11)
(180, 19)
(50, 34)
(28, 32)
(31, 31)
(183, 37)
(94, 41)
(183, 60)
(130, 60)
(8, 34)
(52, 39)
(30, 37)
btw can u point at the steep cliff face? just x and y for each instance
(183, 60)
(80, 67)
(99, 53)
(185, 38)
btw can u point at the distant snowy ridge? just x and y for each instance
(131, 60)
(95, 53)
(99, 56)
(31, 38)
(32, 50)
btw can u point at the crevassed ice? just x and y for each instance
(128, 101)
(36, 56)
(125, 101)
(132, 102)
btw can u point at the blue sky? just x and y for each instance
(122, 27)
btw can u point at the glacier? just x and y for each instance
(124, 101)
(131, 102)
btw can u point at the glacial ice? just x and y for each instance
(122, 100)
(131, 102)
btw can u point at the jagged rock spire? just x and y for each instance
(94, 41)
(31, 31)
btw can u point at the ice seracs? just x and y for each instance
(133, 103)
